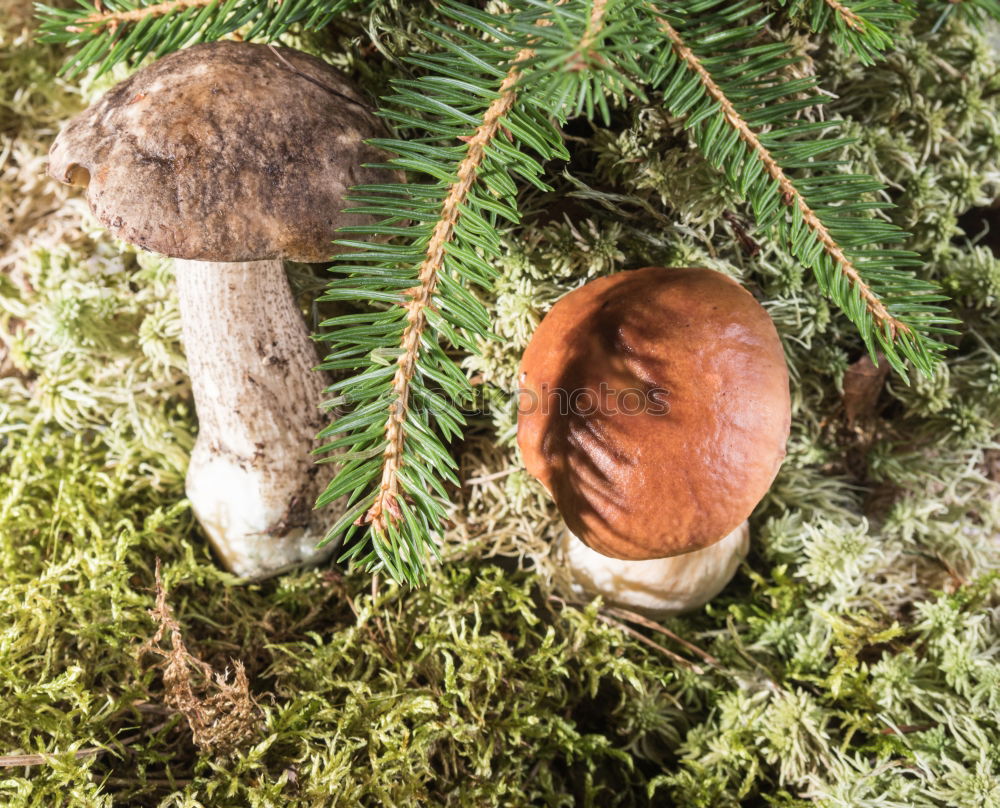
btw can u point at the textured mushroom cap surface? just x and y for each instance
(224, 152)
(654, 407)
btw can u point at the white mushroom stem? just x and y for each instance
(662, 586)
(252, 482)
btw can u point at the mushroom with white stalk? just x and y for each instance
(230, 157)
(654, 408)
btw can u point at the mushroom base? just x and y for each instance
(659, 587)
(247, 522)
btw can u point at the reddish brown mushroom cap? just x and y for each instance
(655, 409)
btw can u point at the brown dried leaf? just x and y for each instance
(991, 461)
(863, 383)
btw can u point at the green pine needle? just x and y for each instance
(820, 216)
(862, 26)
(116, 31)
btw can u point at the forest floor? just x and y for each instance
(854, 660)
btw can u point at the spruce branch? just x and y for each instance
(595, 22)
(744, 118)
(864, 27)
(112, 19)
(975, 12)
(478, 108)
(386, 507)
(847, 16)
(789, 193)
(483, 105)
(112, 31)
(386, 504)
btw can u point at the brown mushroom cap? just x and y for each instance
(223, 152)
(655, 409)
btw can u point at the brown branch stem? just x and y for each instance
(850, 19)
(115, 18)
(594, 24)
(385, 505)
(790, 194)
(14, 761)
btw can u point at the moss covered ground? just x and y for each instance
(853, 662)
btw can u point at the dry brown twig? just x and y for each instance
(639, 619)
(18, 760)
(677, 658)
(604, 617)
(15, 761)
(223, 716)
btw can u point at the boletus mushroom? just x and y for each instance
(230, 157)
(654, 407)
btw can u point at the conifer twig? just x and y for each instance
(385, 505)
(866, 29)
(113, 19)
(128, 30)
(850, 19)
(790, 194)
(594, 24)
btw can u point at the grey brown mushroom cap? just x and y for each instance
(226, 151)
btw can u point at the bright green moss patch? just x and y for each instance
(852, 663)
(466, 691)
(476, 690)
